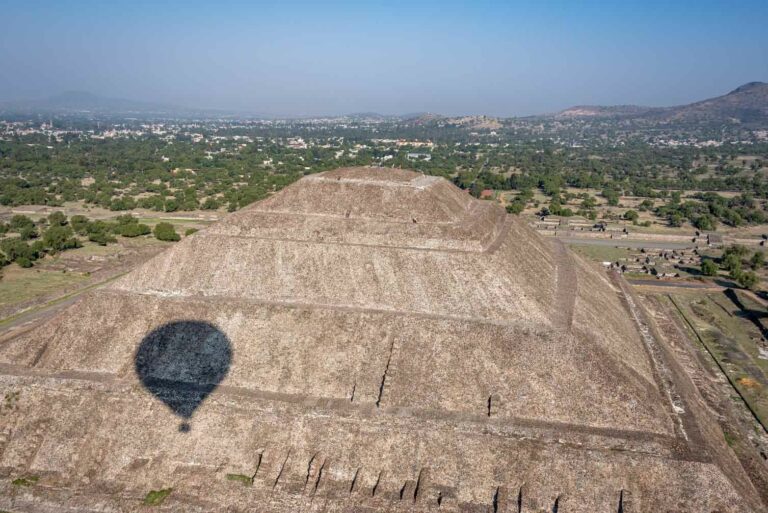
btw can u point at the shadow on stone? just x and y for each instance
(181, 363)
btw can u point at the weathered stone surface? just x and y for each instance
(395, 345)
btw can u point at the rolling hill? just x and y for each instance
(745, 104)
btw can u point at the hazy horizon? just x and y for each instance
(306, 59)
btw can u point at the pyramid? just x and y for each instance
(366, 339)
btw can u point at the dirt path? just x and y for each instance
(566, 287)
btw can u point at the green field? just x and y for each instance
(18, 285)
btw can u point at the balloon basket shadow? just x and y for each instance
(184, 427)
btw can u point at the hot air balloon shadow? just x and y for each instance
(181, 363)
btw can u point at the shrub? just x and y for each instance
(134, 230)
(59, 238)
(156, 497)
(709, 268)
(747, 279)
(23, 261)
(19, 222)
(631, 215)
(57, 219)
(79, 224)
(126, 219)
(101, 238)
(16, 250)
(210, 204)
(166, 232)
(100, 232)
(705, 222)
(28, 232)
(25, 481)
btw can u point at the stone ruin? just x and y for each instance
(364, 340)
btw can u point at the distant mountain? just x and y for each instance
(420, 116)
(84, 101)
(746, 104)
(72, 102)
(594, 111)
(367, 115)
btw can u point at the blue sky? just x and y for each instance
(310, 58)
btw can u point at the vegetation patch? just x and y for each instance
(166, 232)
(748, 382)
(10, 401)
(156, 497)
(19, 284)
(25, 481)
(245, 480)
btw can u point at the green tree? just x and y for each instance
(731, 262)
(758, 260)
(19, 222)
(210, 204)
(28, 232)
(101, 238)
(57, 219)
(705, 222)
(166, 232)
(631, 215)
(134, 230)
(59, 238)
(748, 279)
(99, 232)
(515, 207)
(611, 196)
(16, 250)
(675, 220)
(709, 268)
(79, 224)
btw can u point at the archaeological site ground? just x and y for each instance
(367, 340)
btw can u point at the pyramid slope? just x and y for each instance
(386, 328)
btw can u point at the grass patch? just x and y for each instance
(25, 481)
(729, 438)
(156, 497)
(18, 285)
(246, 480)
